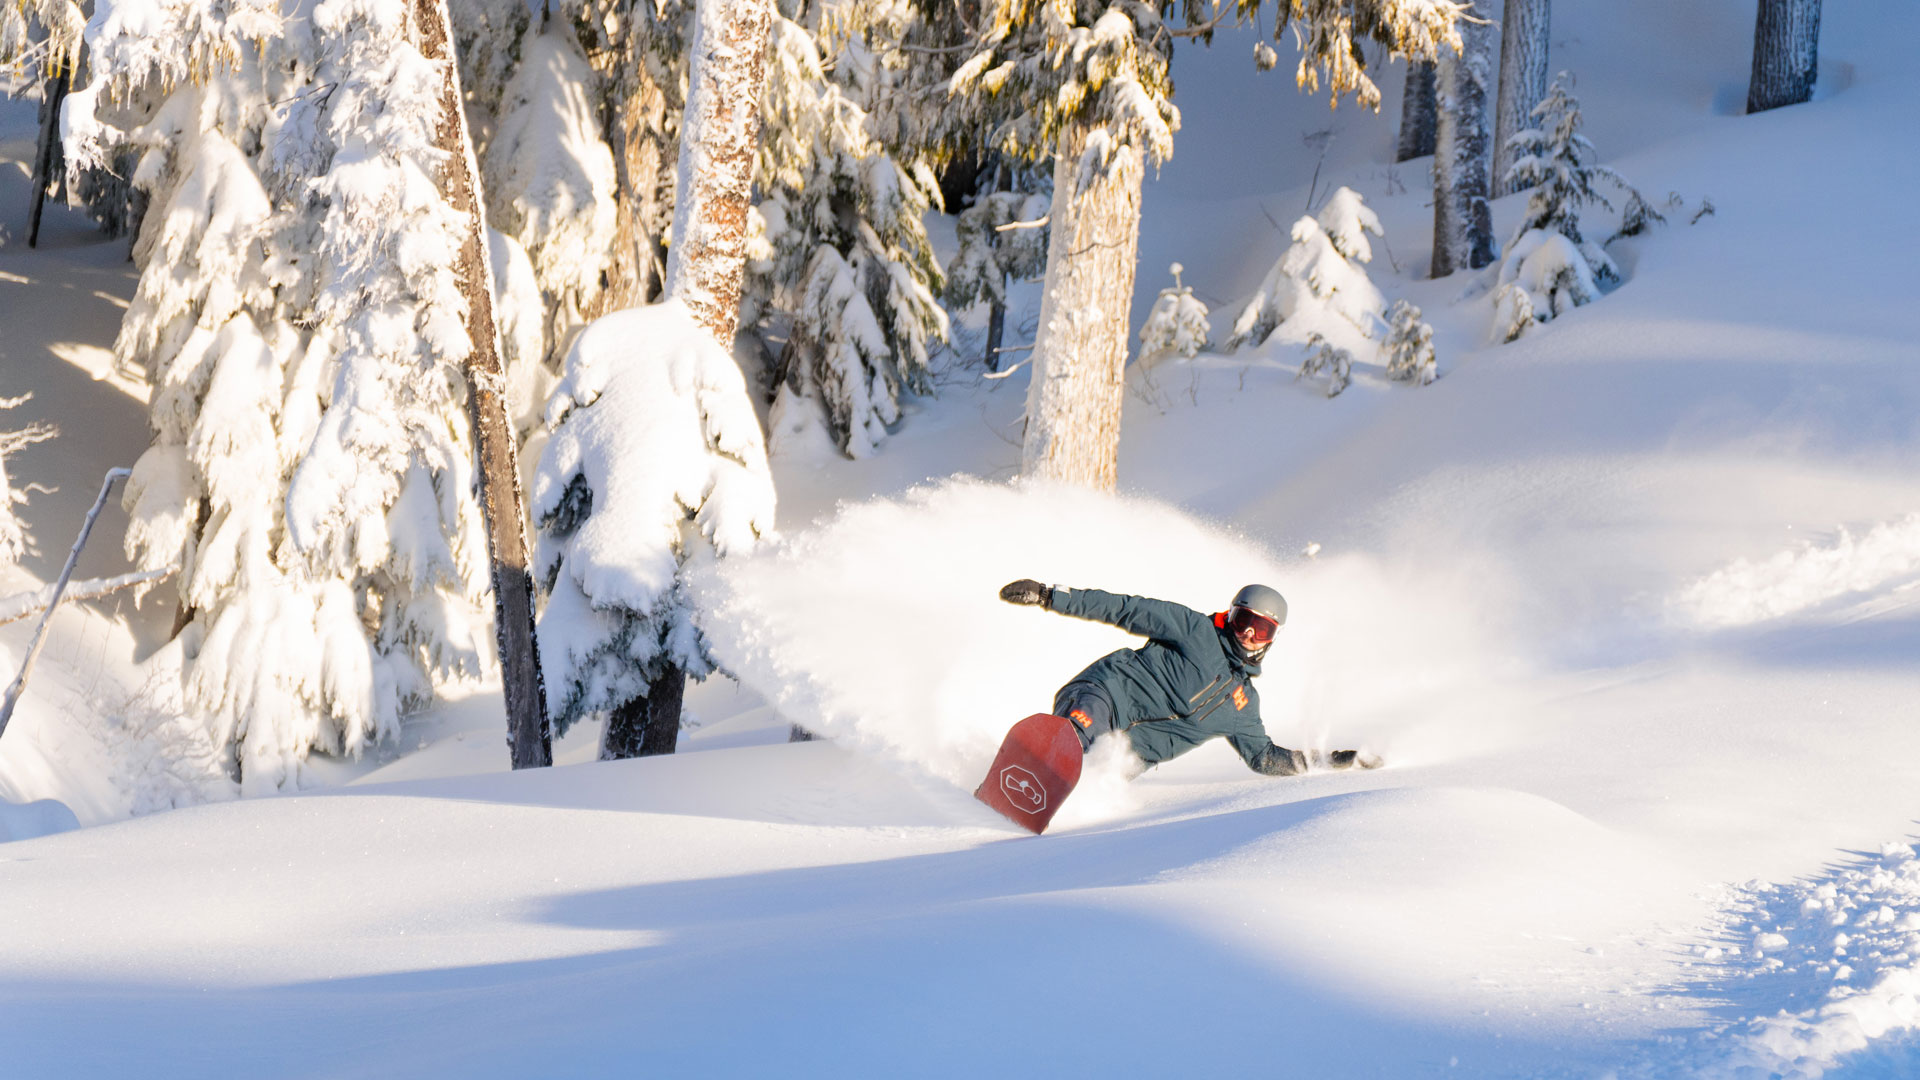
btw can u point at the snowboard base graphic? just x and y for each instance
(1036, 769)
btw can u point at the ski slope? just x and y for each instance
(1628, 605)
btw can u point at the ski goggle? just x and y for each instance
(1253, 629)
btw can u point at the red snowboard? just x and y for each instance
(1038, 765)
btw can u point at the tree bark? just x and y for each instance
(1080, 352)
(1417, 113)
(47, 158)
(1786, 54)
(528, 734)
(718, 140)
(1524, 41)
(1462, 220)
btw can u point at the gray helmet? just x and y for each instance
(1262, 600)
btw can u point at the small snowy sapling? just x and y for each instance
(1320, 285)
(1178, 322)
(1409, 345)
(13, 535)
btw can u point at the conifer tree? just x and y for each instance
(1409, 345)
(14, 541)
(1177, 323)
(1319, 287)
(1417, 112)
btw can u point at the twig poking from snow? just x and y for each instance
(20, 606)
(59, 587)
(1011, 370)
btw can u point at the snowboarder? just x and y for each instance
(1191, 681)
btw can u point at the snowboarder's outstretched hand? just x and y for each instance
(1025, 591)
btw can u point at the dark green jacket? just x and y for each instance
(1186, 685)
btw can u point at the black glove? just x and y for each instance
(1026, 591)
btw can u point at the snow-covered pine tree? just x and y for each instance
(1409, 345)
(1002, 237)
(656, 453)
(1542, 276)
(1417, 112)
(1319, 287)
(1177, 323)
(1786, 53)
(1463, 144)
(1555, 164)
(851, 264)
(1525, 36)
(301, 318)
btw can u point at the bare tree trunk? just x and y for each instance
(47, 159)
(996, 332)
(1080, 351)
(1524, 40)
(1462, 220)
(1417, 112)
(633, 276)
(499, 474)
(717, 144)
(1786, 54)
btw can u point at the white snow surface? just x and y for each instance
(1625, 604)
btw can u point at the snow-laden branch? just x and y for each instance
(23, 605)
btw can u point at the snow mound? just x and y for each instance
(1849, 940)
(882, 626)
(1746, 592)
(24, 821)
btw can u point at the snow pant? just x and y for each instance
(1089, 708)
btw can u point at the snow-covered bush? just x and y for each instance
(655, 453)
(1409, 345)
(1320, 285)
(13, 536)
(851, 265)
(1549, 265)
(1178, 322)
(1542, 276)
(1323, 355)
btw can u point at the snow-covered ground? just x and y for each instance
(1628, 605)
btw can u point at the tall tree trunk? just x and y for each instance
(1417, 112)
(1524, 39)
(499, 473)
(633, 275)
(718, 139)
(1786, 54)
(1462, 220)
(1080, 352)
(717, 144)
(48, 161)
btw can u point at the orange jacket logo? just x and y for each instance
(1080, 717)
(1239, 697)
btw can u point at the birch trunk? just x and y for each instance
(717, 143)
(1462, 220)
(1524, 39)
(499, 474)
(1786, 54)
(1417, 112)
(1080, 352)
